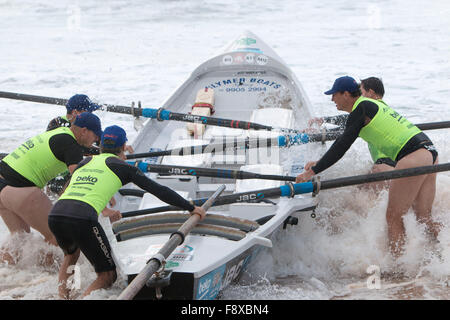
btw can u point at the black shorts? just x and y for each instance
(387, 161)
(87, 235)
(2, 184)
(417, 142)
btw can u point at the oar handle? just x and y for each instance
(381, 176)
(208, 203)
(433, 125)
(63, 102)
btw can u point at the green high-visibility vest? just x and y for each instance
(388, 131)
(94, 183)
(374, 152)
(35, 160)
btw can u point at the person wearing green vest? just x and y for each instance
(373, 88)
(74, 217)
(397, 138)
(26, 170)
(76, 105)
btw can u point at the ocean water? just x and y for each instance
(123, 51)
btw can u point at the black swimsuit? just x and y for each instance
(417, 142)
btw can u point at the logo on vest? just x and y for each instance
(86, 180)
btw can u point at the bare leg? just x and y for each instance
(377, 186)
(15, 224)
(9, 256)
(402, 194)
(424, 202)
(104, 280)
(31, 207)
(64, 275)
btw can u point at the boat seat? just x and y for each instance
(255, 184)
(150, 201)
(275, 117)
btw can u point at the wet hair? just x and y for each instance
(106, 147)
(375, 84)
(115, 151)
(355, 94)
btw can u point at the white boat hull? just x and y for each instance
(248, 76)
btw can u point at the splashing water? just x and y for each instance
(116, 54)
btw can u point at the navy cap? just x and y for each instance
(342, 84)
(81, 102)
(89, 121)
(113, 137)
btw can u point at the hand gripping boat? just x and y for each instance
(249, 82)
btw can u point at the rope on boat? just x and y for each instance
(202, 229)
(211, 219)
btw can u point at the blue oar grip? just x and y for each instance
(153, 113)
(301, 138)
(143, 166)
(150, 113)
(299, 188)
(282, 141)
(289, 140)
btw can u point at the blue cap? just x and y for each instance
(89, 121)
(342, 84)
(113, 137)
(81, 102)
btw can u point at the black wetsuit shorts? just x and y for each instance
(85, 234)
(2, 184)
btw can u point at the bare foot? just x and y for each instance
(63, 291)
(49, 260)
(7, 257)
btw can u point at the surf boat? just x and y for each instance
(246, 81)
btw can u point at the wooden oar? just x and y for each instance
(433, 125)
(287, 140)
(290, 189)
(237, 144)
(156, 261)
(159, 114)
(280, 141)
(162, 114)
(63, 102)
(207, 172)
